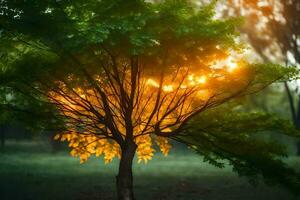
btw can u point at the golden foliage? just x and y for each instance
(164, 145)
(144, 150)
(83, 146)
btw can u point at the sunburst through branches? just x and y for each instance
(160, 106)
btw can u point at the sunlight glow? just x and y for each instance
(231, 64)
(168, 88)
(191, 81)
(202, 79)
(152, 82)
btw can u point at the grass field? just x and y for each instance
(28, 171)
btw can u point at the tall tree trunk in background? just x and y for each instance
(124, 177)
(294, 111)
(297, 125)
(298, 147)
(2, 136)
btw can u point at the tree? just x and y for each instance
(2, 135)
(272, 28)
(124, 75)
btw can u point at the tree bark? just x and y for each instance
(124, 177)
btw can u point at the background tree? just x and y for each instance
(124, 75)
(272, 28)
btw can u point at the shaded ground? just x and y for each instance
(27, 175)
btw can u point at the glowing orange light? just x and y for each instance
(202, 79)
(192, 80)
(203, 94)
(152, 83)
(191, 77)
(168, 88)
(231, 64)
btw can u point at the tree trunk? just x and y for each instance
(297, 126)
(124, 177)
(295, 114)
(298, 148)
(2, 137)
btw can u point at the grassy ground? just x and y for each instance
(28, 175)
